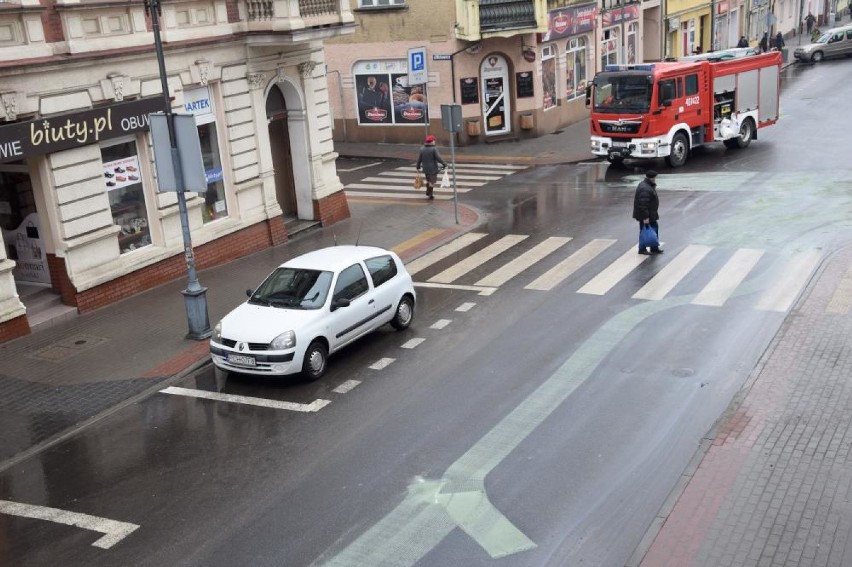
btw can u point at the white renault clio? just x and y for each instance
(311, 306)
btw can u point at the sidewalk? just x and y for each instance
(771, 485)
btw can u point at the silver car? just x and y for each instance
(835, 42)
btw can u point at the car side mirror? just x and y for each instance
(339, 302)
(249, 292)
(588, 96)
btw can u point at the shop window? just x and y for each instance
(575, 68)
(384, 96)
(215, 206)
(548, 76)
(126, 195)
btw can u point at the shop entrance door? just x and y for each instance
(496, 106)
(23, 235)
(282, 159)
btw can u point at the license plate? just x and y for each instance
(619, 144)
(241, 359)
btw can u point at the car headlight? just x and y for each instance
(283, 341)
(217, 332)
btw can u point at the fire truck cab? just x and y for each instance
(666, 109)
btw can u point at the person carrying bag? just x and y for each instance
(429, 159)
(646, 205)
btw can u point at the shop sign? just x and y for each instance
(66, 131)
(619, 15)
(197, 102)
(574, 20)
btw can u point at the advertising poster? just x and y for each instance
(374, 99)
(409, 102)
(121, 173)
(25, 246)
(548, 80)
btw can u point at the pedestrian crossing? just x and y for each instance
(772, 281)
(398, 183)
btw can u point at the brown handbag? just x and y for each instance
(418, 181)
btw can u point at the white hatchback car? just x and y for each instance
(310, 307)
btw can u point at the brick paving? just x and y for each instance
(775, 486)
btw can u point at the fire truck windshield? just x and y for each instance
(620, 92)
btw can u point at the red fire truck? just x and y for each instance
(665, 109)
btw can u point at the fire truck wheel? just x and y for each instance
(679, 151)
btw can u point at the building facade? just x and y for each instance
(80, 209)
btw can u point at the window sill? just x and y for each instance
(370, 9)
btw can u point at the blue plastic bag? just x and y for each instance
(648, 237)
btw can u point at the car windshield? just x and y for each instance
(824, 38)
(623, 92)
(293, 288)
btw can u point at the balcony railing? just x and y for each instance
(506, 14)
(262, 10)
(310, 8)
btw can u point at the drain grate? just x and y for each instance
(67, 348)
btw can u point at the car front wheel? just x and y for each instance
(817, 56)
(316, 359)
(404, 314)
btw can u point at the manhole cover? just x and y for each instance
(67, 347)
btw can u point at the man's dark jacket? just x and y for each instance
(645, 202)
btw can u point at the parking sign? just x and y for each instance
(417, 66)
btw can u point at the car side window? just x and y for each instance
(848, 34)
(351, 283)
(381, 268)
(691, 85)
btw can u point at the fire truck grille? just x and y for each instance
(620, 127)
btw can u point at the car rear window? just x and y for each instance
(382, 269)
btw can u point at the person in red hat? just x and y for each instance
(429, 159)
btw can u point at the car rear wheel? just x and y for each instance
(817, 56)
(316, 360)
(404, 314)
(679, 151)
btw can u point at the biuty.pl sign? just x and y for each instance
(66, 131)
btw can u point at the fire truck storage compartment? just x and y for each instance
(745, 88)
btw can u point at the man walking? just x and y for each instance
(429, 159)
(645, 207)
(809, 22)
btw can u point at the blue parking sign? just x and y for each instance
(417, 74)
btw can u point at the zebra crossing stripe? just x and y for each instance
(476, 259)
(397, 189)
(524, 261)
(613, 273)
(732, 274)
(444, 251)
(781, 296)
(391, 195)
(666, 279)
(506, 169)
(407, 182)
(571, 264)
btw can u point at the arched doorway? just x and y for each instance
(282, 155)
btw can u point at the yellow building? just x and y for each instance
(687, 27)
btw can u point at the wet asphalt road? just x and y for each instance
(535, 428)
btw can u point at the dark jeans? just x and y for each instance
(653, 225)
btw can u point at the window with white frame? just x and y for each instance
(548, 76)
(610, 44)
(379, 3)
(632, 30)
(575, 68)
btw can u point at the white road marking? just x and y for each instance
(382, 363)
(360, 166)
(476, 259)
(408, 181)
(440, 323)
(841, 299)
(732, 274)
(347, 386)
(571, 264)
(412, 343)
(444, 251)
(503, 169)
(614, 273)
(113, 530)
(465, 307)
(666, 279)
(535, 254)
(796, 273)
(468, 177)
(391, 195)
(314, 406)
(481, 290)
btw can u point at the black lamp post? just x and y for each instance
(195, 296)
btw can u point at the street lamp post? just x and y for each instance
(195, 296)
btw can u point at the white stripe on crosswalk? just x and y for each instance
(613, 273)
(391, 195)
(475, 166)
(569, 265)
(409, 181)
(470, 177)
(524, 261)
(667, 278)
(442, 252)
(732, 274)
(475, 260)
(796, 273)
(314, 406)
(400, 188)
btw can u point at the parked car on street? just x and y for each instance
(836, 42)
(312, 306)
